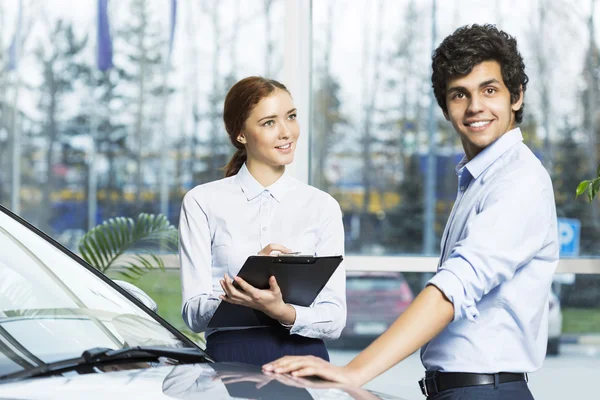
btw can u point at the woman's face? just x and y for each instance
(271, 131)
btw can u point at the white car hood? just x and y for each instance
(196, 381)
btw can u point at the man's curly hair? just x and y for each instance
(472, 45)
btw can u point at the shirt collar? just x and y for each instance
(252, 188)
(483, 160)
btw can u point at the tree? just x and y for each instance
(145, 44)
(216, 144)
(328, 117)
(102, 118)
(370, 91)
(401, 125)
(403, 227)
(10, 114)
(61, 68)
(570, 164)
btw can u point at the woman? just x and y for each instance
(259, 209)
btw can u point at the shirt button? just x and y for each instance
(462, 188)
(264, 228)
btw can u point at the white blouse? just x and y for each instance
(225, 221)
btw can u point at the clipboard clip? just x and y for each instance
(295, 259)
(294, 254)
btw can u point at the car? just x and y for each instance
(68, 331)
(554, 325)
(374, 300)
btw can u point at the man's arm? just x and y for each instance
(424, 319)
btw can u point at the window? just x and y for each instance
(94, 142)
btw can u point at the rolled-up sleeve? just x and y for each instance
(199, 303)
(508, 229)
(326, 317)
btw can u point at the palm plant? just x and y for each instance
(122, 243)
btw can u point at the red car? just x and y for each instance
(375, 300)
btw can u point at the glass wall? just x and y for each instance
(83, 139)
(81, 133)
(380, 143)
(381, 146)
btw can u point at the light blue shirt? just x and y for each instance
(224, 222)
(499, 252)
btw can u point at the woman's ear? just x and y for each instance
(241, 138)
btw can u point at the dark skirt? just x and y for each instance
(259, 346)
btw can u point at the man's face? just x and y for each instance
(479, 107)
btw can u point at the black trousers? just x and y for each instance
(259, 346)
(510, 390)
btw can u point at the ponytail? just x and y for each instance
(235, 164)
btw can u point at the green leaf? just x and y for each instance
(103, 245)
(87, 250)
(128, 276)
(134, 269)
(581, 188)
(595, 187)
(159, 262)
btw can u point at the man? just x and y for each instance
(481, 322)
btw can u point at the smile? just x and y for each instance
(284, 147)
(478, 124)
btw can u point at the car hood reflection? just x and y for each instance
(195, 381)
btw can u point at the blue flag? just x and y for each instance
(104, 45)
(15, 44)
(172, 28)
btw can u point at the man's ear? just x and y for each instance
(516, 106)
(446, 115)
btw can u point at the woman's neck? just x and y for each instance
(266, 175)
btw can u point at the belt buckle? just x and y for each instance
(423, 385)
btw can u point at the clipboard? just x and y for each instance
(301, 279)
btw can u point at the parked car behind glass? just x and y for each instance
(375, 300)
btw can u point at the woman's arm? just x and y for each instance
(199, 302)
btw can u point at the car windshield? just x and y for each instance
(53, 308)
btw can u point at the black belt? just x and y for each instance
(436, 382)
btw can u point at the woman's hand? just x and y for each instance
(274, 247)
(301, 366)
(269, 301)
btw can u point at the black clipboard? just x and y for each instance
(301, 279)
